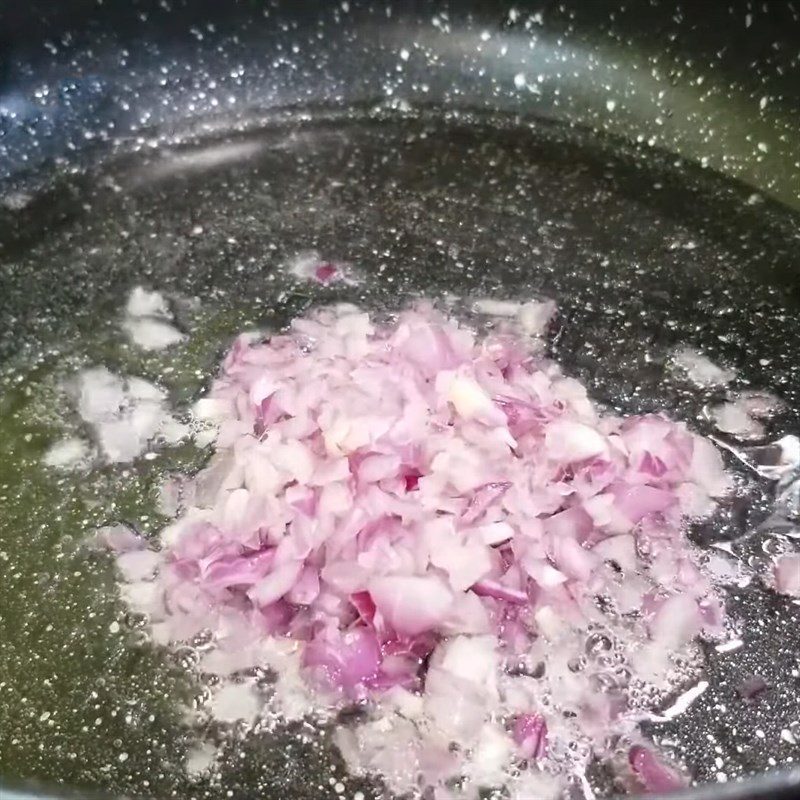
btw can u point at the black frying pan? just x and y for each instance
(641, 164)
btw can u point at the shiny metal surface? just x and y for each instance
(715, 83)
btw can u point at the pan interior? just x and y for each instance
(642, 254)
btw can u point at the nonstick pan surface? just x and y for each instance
(195, 152)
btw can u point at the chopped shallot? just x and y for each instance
(530, 733)
(654, 776)
(439, 524)
(309, 266)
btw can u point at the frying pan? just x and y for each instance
(639, 162)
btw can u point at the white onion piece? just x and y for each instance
(496, 308)
(125, 414)
(200, 758)
(148, 321)
(787, 574)
(535, 316)
(152, 334)
(735, 419)
(761, 405)
(138, 565)
(700, 369)
(68, 454)
(143, 303)
(235, 701)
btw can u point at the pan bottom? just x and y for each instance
(642, 255)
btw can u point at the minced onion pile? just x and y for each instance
(442, 527)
